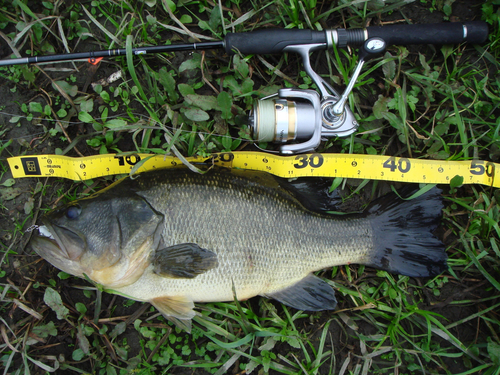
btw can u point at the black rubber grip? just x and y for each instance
(269, 41)
(433, 33)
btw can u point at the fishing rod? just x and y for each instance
(296, 115)
(271, 41)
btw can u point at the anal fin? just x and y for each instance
(310, 294)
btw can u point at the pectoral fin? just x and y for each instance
(310, 294)
(186, 260)
(177, 309)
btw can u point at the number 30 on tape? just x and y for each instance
(373, 167)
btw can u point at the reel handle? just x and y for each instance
(372, 48)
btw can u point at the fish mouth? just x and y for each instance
(59, 246)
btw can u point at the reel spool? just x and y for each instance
(282, 121)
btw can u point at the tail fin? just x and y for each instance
(402, 230)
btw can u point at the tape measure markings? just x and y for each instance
(374, 167)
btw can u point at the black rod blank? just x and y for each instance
(112, 52)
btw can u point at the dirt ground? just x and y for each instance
(21, 268)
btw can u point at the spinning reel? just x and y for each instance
(304, 116)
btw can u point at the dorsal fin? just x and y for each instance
(312, 193)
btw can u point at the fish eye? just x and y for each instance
(72, 212)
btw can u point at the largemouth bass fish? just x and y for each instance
(174, 237)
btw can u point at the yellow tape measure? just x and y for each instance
(374, 167)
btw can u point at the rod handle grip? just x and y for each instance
(434, 33)
(270, 41)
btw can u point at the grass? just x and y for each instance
(435, 103)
